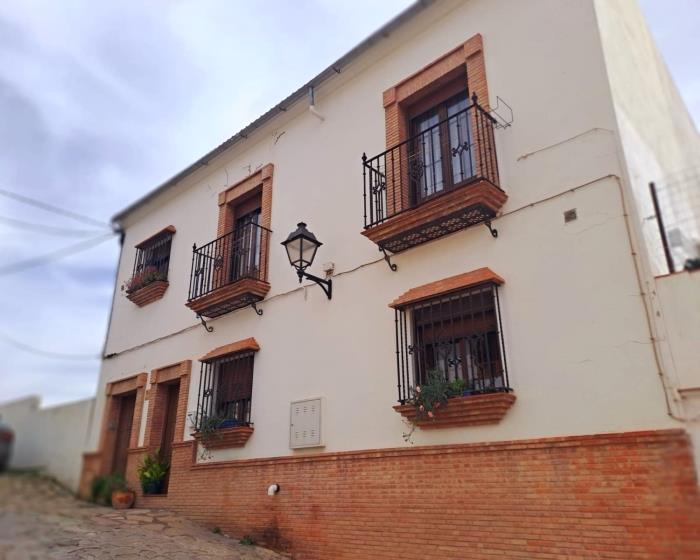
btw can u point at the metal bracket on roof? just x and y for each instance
(204, 324)
(492, 230)
(254, 305)
(387, 258)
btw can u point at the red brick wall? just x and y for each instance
(618, 496)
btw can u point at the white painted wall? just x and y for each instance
(575, 333)
(50, 439)
(657, 134)
(679, 295)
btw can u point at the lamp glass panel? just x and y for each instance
(308, 252)
(294, 251)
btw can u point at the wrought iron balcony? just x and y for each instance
(441, 180)
(229, 272)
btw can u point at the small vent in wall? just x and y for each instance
(305, 424)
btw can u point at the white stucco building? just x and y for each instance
(545, 119)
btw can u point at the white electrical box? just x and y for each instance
(305, 423)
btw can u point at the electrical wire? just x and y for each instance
(51, 208)
(48, 230)
(46, 353)
(66, 251)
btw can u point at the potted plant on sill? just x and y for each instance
(431, 395)
(142, 279)
(152, 473)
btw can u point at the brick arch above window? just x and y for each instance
(259, 182)
(469, 56)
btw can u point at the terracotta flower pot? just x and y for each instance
(123, 499)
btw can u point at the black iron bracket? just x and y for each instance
(254, 305)
(204, 324)
(492, 230)
(326, 285)
(387, 258)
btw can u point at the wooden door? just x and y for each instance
(127, 403)
(166, 444)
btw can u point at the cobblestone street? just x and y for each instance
(40, 520)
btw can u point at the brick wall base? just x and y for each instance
(624, 496)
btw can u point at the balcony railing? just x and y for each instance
(235, 256)
(451, 154)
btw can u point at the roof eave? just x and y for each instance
(290, 100)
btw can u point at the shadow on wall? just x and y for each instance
(51, 440)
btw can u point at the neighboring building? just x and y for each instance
(51, 439)
(571, 435)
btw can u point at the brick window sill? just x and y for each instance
(473, 410)
(148, 293)
(227, 437)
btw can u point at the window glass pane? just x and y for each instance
(460, 127)
(246, 246)
(426, 164)
(234, 389)
(457, 336)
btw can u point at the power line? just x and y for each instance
(51, 208)
(48, 230)
(43, 259)
(46, 353)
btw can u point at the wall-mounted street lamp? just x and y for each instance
(301, 246)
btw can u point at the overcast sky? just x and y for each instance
(101, 102)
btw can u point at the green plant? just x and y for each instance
(216, 530)
(207, 429)
(434, 393)
(103, 486)
(247, 540)
(143, 278)
(431, 395)
(152, 471)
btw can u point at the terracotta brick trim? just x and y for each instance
(646, 437)
(100, 461)
(225, 438)
(149, 293)
(230, 297)
(126, 385)
(247, 344)
(621, 495)
(469, 55)
(166, 230)
(171, 372)
(160, 378)
(450, 211)
(260, 180)
(473, 410)
(447, 285)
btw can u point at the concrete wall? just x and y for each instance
(679, 296)
(658, 137)
(50, 439)
(571, 305)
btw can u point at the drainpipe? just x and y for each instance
(312, 105)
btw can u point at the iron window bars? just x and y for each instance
(456, 335)
(154, 256)
(225, 392)
(234, 256)
(449, 154)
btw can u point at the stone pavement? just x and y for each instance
(39, 520)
